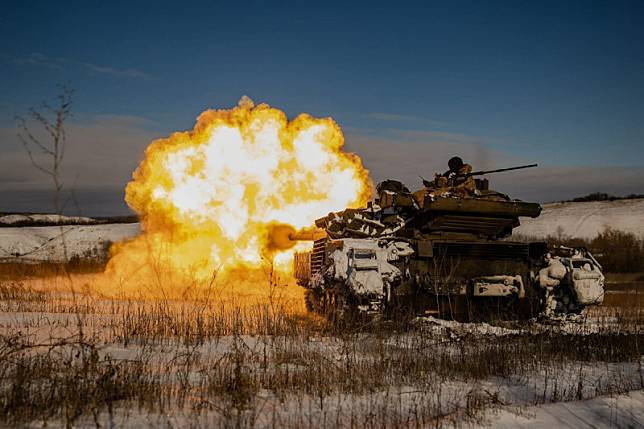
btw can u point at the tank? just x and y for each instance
(445, 250)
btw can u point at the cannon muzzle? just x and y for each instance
(307, 235)
(283, 236)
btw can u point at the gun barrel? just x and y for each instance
(482, 172)
(307, 235)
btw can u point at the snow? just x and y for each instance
(618, 411)
(497, 401)
(584, 324)
(12, 219)
(454, 329)
(586, 219)
(48, 243)
(34, 244)
(583, 220)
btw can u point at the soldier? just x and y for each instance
(458, 178)
(457, 166)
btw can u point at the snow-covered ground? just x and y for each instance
(532, 394)
(585, 220)
(49, 243)
(12, 219)
(615, 411)
(49, 237)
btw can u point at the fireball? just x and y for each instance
(210, 198)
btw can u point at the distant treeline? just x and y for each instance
(617, 251)
(117, 219)
(602, 196)
(97, 220)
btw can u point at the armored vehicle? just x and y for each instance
(444, 252)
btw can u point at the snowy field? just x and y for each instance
(46, 243)
(73, 354)
(84, 359)
(585, 220)
(53, 243)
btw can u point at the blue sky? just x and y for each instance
(558, 83)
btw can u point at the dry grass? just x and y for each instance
(83, 359)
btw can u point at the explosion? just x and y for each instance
(222, 197)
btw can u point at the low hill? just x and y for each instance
(50, 243)
(90, 237)
(44, 219)
(586, 219)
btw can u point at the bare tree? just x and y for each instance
(52, 119)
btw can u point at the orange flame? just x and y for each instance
(209, 198)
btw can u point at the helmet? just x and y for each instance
(455, 163)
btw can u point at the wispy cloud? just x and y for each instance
(114, 71)
(37, 59)
(394, 117)
(434, 135)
